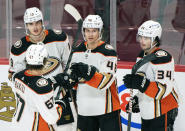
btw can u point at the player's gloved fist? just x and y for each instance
(82, 70)
(135, 105)
(136, 81)
(63, 79)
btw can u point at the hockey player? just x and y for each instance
(57, 45)
(94, 63)
(36, 109)
(155, 82)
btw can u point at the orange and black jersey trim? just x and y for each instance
(39, 124)
(24, 43)
(33, 82)
(164, 57)
(102, 49)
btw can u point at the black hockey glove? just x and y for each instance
(63, 79)
(61, 102)
(136, 81)
(135, 105)
(82, 70)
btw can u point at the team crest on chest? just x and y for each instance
(42, 82)
(18, 44)
(161, 53)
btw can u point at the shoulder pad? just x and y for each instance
(109, 47)
(80, 47)
(41, 85)
(162, 57)
(54, 35)
(20, 46)
(106, 49)
(141, 54)
(58, 32)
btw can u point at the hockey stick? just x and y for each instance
(76, 15)
(181, 51)
(134, 70)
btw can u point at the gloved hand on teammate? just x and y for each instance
(64, 80)
(82, 70)
(136, 81)
(135, 105)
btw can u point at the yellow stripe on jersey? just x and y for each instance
(157, 108)
(106, 79)
(161, 91)
(155, 90)
(36, 121)
(108, 101)
(100, 80)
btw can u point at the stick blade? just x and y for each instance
(73, 11)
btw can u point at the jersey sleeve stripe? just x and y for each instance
(152, 89)
(55, 42)
(35, 122)
(115, 98)
(155, 90)
(43, 125)
(107, 78)
(168, 103)
(96, 80)
(161, 91)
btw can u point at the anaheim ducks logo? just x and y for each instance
(58, 32)
(18, 44)
(109, 47)
(51, 64)
(161, 53)
(7, 102)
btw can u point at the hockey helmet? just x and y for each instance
(32, 15)
(151, 29)
(93, 21)
(35, 54)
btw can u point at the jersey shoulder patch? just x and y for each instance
(162, 57)
(54, 35)
(20, 46)
(39, 84)
(109, 47)
(106, 49)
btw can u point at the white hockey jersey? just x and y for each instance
(57, 45)
(161, 95)
(35, 103)
(99, 95)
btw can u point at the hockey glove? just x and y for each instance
(63, 80)
(135, 105)
(136, 81)
(82, 70)
(61, 102)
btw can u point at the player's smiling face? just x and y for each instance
(91, 34)
(35, 28)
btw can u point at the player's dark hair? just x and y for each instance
(158, 41)
(36, 67)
